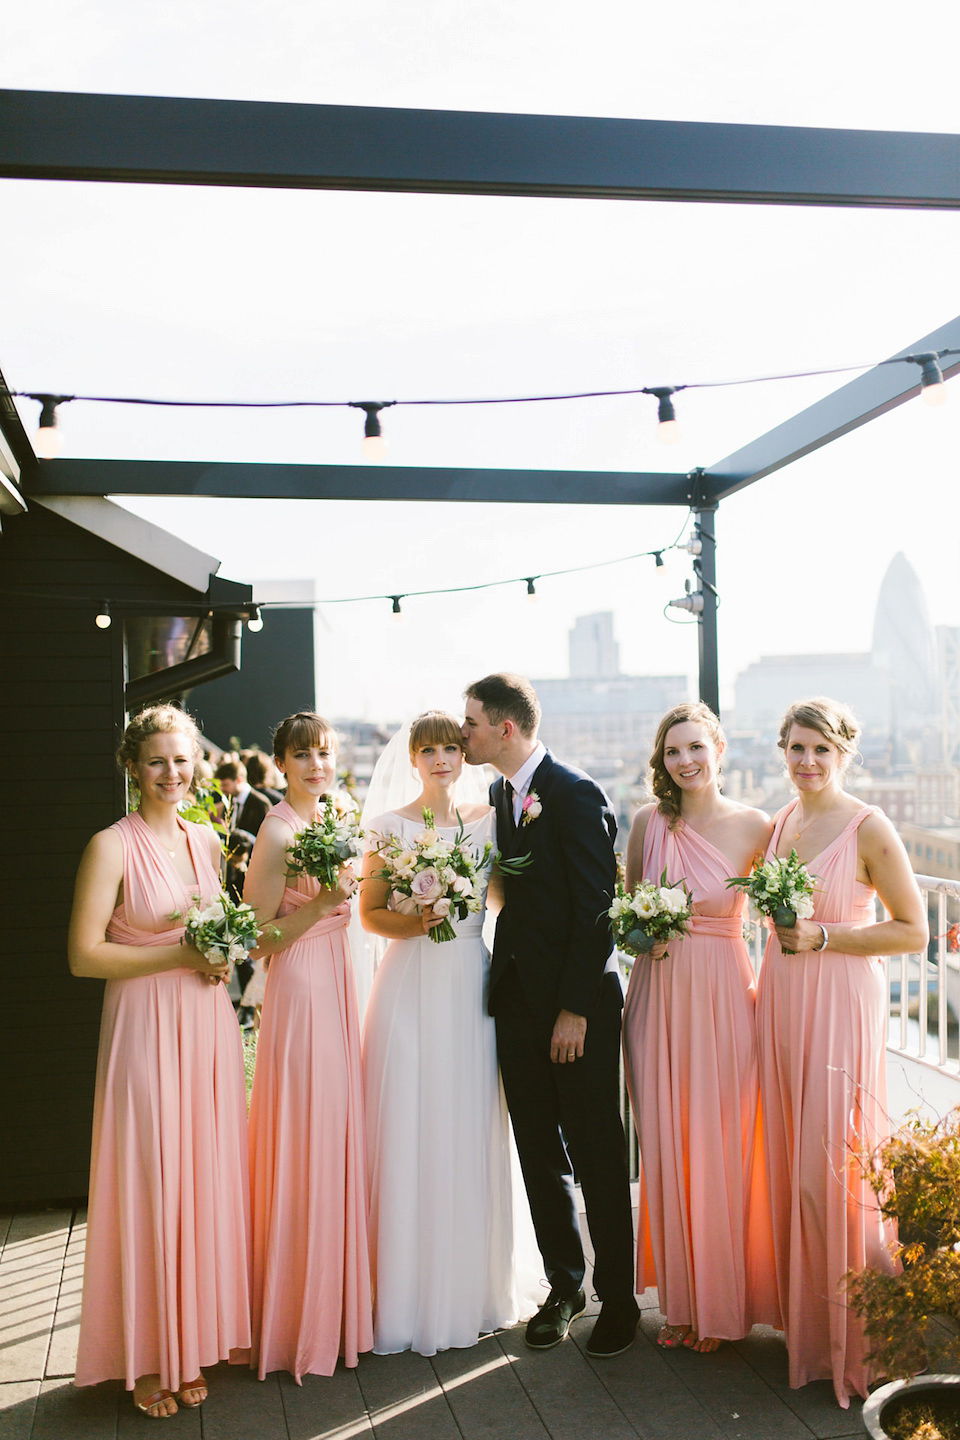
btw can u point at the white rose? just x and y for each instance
(533, 809)
(449, 876)
(402, 904)
(425, 838)
(462, 885)
(441, 907)
(405, 863)
(803, 907)
(674, 900)
(213, 955)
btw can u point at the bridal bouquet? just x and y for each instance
(649, 915)
(781, 888)
(221, 929)
(328, 842)
(446, 875)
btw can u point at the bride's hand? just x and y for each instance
(428, 920)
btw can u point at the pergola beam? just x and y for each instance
(51, 135)
(881, 389)
(356, 482)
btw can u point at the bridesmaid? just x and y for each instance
(822, 1019)
(689, 1040)
(166, 1286)
(311, 1272)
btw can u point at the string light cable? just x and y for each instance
(47, 442)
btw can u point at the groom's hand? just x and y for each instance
(566, 1042)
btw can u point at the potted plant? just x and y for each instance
(911, 1317)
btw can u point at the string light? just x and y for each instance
(658, 559)
(933, 391)
(395, 608)
(374, 447)
(531, 588)
(255, 621)
(668, 430)
(104, 620)
(931, 381)
(694, 545)
(48, 442)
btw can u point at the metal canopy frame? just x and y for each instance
(158, 140)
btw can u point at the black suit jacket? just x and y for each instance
(554, 927)
(252, 813)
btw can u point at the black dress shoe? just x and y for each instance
(615, 1328)
(552, 1321)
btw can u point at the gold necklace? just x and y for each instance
(799, 832)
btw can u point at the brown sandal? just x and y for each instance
(185, 1390)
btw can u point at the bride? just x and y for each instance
(452, 1248)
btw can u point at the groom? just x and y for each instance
(556, 996)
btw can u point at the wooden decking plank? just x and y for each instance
(814, 1404)
(331, 1406)
(239, 1407)
(30, 1268)
(571, 1402)
(18, 1406)
(87, 1414)
(485, 1394)
(405, 1399)
(62, 1355)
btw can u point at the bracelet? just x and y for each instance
(824, 941)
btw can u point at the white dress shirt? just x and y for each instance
(521, 780)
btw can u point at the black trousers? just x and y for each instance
(567, 1117)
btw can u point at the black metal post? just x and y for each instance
(705, 565)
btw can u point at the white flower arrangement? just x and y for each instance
(445, 876)
(781, 888)
(649, 915)
(221, 928)
(328, 843)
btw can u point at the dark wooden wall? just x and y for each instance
(61, 713)
(278, 678)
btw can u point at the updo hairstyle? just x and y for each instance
(835, 722)
(299, 731)
(666, 792)
(157, 720)
(434, 727)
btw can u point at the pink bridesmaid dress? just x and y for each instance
(311, 1270)
(689, 1040)
(166, 1274)
(822, 1029)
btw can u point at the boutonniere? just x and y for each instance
(531, 809)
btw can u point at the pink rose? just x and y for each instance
(426, 886)
(441, 907)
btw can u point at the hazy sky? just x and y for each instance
(233, 294)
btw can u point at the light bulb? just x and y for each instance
(255, 621)
(104, 620)
(374, 448)
(48, 442)
(934, 394)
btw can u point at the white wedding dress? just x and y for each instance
(452, 1248)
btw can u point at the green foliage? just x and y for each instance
(915, 1175)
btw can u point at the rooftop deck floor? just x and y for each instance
(498, 1390)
